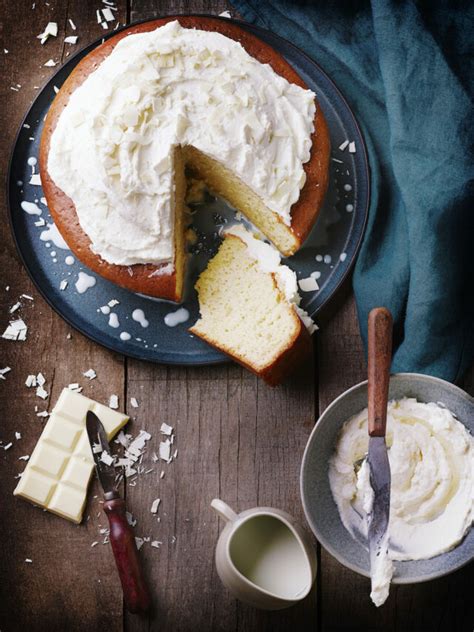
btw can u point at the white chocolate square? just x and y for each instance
(58, 472)
(67, 501)
(48, 459)
(108, 418)
(73, 405)
(61, 432)
(35, 487)
(83, 448)
(77, 472)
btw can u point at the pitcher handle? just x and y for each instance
(224, 511)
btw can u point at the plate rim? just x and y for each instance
(167, 358)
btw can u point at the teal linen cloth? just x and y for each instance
(407, 70)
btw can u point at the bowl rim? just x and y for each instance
(321, 539)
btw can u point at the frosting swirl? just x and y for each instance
(431, 457)
(112, 149)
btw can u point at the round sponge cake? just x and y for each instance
(165, 280)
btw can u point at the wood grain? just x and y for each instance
(144, 9)
(69, 585)
(237, 438)
(379, 361)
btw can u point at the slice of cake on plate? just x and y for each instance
(154, 98)
(249, 306)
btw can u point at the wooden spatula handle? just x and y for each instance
(379, 360)
(122, 539)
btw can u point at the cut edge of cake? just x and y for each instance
(246, 312)
(230, 186)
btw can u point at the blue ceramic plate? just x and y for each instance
(330, 250)
(319, 506)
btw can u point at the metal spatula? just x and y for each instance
(379, 359)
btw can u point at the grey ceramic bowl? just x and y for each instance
(319, 506)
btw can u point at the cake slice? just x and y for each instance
(249, 307)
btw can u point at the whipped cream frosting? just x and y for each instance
(112, 149)
(431, 457)
(269, 260)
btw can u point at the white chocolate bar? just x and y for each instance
(58, 472)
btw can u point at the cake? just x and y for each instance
(159, 96)
(249, 305)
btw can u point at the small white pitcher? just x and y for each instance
(264, 557)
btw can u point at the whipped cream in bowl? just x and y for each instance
(431, 452)
(431, 457)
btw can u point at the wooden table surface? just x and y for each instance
(238, 439)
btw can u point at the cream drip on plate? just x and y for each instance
(84, 282)
(51, 233)
(113, 320)
(112, 149)
(139, 316)
(269, 260)
(431, 458)
(31, 208)
(176, 318)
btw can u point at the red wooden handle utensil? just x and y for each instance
(379, 360)
(135, 591)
